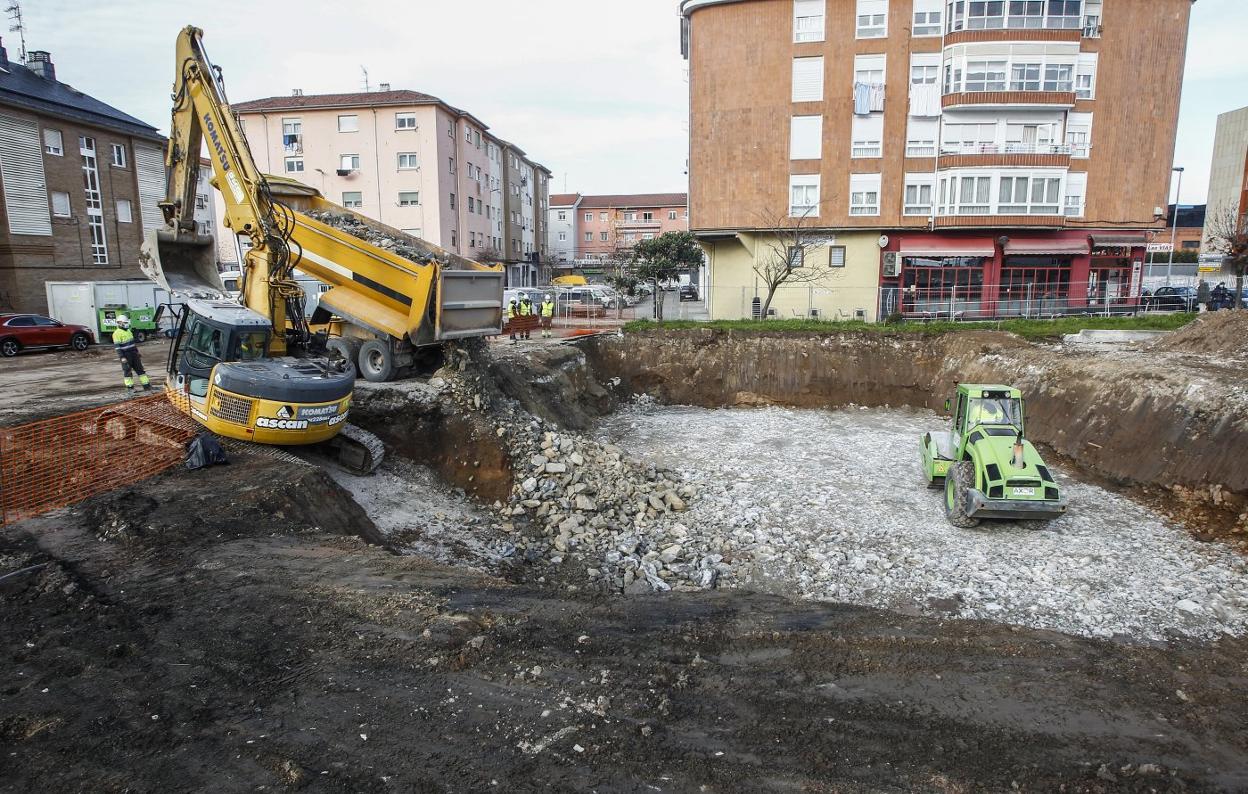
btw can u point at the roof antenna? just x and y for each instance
(365, 71)
(14, 10)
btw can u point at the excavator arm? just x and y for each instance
(180, 258)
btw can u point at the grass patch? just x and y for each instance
(1028, 329)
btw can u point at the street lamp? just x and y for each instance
(1174, 223)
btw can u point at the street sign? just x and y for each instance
(1160, 248)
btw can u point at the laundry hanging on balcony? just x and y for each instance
(925, 100)
(862, 99)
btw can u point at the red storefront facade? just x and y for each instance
(982, 275)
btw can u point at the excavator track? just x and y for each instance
(357, 450)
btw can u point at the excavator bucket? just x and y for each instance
(185, 264)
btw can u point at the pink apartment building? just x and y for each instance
(607, 224)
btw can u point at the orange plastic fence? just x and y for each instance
(57, 462)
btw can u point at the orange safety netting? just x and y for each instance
(57, 462)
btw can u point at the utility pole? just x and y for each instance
(1174, 223)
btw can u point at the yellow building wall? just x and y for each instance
(838, 293)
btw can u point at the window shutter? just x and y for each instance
(21, 167)
(808, 79)
(149, 163)
(806, 139)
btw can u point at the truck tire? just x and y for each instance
(376, 361)
(346, 349)
(961, 478)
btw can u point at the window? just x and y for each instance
(349, 162)
(471, 205)
(589, 237)
(409, 198)
(95, 202)
(603, 236)
(1076, 188)
(1026, 14)
(563, 237)
(1092, 19)
(476, 139)
(864, 194)
(454, 238)
(1085, 76)
(602, 216)
(452, 201)
(589, 217)
(450, 164)
(985, 75)
(918, 195)
(836, 256)
(467, 135)
(60, 204)
(924, 74)
(53, 143)
(201, 201)
(1059, 77)
(353, 199)
(808, 20)
(921, 136)
(872, 19)
(630, 216)
(647, 216)
(1064, 14)
(869, 69)
(804, 195)
(1025, 77)
(671, 215)
(972, 195)
(292, 136)
(408, 161)
(563, 215)
(349, 123)
(1028, 195)
(1079, 134)
(808, 79)
(797, 256)
(985, 14)
(927, 18)
(405, 121)
(806, 138)
(125, 213)
(294, 165)
(119, 155)
(867, 134)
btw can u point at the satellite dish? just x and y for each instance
(883, 241)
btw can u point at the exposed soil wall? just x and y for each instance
(1136, 417)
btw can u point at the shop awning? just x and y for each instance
(1047, 246)
(935, 246)
(1119, 240)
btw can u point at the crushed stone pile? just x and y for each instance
(585, 503)
(404, 245)
(1222, 332)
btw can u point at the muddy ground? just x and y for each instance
(244, 628)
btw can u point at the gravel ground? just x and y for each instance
(421, 515)
(831, 505)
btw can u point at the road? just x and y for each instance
(41, 384)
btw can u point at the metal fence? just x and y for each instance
(57, 462)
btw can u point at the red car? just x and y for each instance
(21, 331)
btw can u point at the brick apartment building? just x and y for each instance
(972, 157)
(81, 181)
(1228, 173)
(413, 162)
(589, 230)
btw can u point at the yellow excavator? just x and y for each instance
(253, 369)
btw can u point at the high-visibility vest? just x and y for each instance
(548, 308)
(526, 308)
(511, 312)
(123, 339)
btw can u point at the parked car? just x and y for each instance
(688, 292)
(20, 332)
(579, 302)
(1171, 299)
(610, 298)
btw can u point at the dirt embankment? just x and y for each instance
(1137, 417)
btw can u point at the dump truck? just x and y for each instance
(988, 469)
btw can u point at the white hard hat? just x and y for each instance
(123, 320)
(549, 297)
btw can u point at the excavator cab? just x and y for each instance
(221, 374)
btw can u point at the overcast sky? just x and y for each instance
(594, 90)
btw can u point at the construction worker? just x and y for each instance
(548, 315)
(513, 311)
(128, 351)
(526, 310)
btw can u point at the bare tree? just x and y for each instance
(785, 258)
(1227, 232)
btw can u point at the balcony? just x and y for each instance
(652, 223)
(1012, 34)
(1008, 99)
(1035, 155)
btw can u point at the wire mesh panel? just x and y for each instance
(57, 462)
